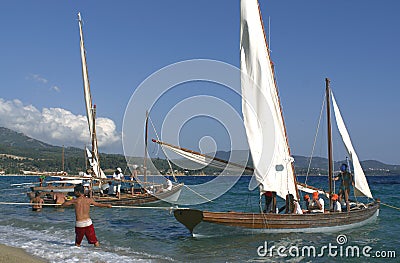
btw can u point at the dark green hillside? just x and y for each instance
(19, 152)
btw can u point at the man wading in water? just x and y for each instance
(84, 226)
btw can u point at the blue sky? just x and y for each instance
(354, 43)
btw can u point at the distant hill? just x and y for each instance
(20, 152)
(319, 165)
(10, 138)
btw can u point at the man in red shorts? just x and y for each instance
(84, 226)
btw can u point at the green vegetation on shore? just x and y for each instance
(19, 152)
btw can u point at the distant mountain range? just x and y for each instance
(19, 152)
(318, 165)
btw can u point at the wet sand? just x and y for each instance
(17, 255)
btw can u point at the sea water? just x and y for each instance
(153, 235)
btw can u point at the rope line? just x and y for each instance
(114, 206)
(146, 207)
(391, 206)
(202, 196)
(315, 138)
(169, 163)
(9, 203)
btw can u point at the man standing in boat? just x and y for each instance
(84, 225)
(118, 176)
(270, 202)
(346, 179)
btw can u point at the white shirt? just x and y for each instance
(118, 176)
(298, 208)
(337, 207)
(321, 201)
(86, 182)
(169, 185)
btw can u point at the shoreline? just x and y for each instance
(10, 254)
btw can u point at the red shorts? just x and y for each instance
(87, 231)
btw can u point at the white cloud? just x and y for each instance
(55, 88)
(43, 80)
(57, 126)
(38, 78)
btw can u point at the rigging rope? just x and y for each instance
(170, 166)
(114, 206)
(146, 207)
(315, 138)
(391, 206)
(169, 163)
(9, 203)
(202, 196)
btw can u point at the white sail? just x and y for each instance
(360, 181)
(98, 172)
(88, 100)
(204, 159)
(261, 107)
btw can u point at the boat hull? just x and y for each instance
(138, 199)
(279, 223)
(55, 189)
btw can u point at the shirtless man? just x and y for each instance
(84, 226)
(59, 198)
(37, 202)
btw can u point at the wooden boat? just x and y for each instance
(280, 223)
(127, 199)
(93, 154)
(66, 184)
(267, 139)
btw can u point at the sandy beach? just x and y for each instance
(17, 255)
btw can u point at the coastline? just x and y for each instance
(17, 255)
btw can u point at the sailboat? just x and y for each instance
(65, 185)
(273, 164)
(135, 197)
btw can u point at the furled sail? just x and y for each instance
(262, 114)
(204, 159)
(98, 172)
(90, 110)
(360, 181)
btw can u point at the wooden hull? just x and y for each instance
(280, 223)
(55, 189)
(137, 199)
(58, 188)
(129, 199)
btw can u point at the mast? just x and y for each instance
(84, 153)
(330, 158)
(279, 100)
(62, 159)
(145, 147)
(90, 109)
(94, 141)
